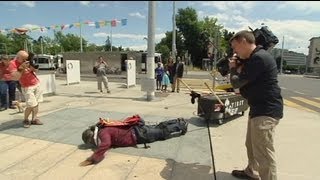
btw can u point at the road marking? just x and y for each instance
(313, 103)
(298, 92)
(295, 105)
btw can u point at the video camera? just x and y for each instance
(31, 61)
(264, 38)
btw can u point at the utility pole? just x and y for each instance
(151, 49)
(174, 50)
(80, 35)
(111, 38)
(281, 62)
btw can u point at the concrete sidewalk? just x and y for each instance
(53, 151)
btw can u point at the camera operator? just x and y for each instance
(256, 76)
(30, 86)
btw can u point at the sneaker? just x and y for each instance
(36, 122)
(242, 175)
(26, 123)
(3, 108)
(108, 91)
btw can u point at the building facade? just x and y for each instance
(313, 60)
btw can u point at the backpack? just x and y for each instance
(95, 69)
(264, 37)
(133, 121)
(129, 121)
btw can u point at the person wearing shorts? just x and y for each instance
(30, 86)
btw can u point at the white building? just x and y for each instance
(291, 58)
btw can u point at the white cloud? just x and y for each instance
(138, 47)
(103, 4)
(297, 33)
(129, 36)
(25, 3)
(306, 6)
(138, 15)
(85, 3)
(230, 6)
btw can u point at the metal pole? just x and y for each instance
(174, 32)
(151, 47)
(80, 35)
(215, 58)
(111, 38)
(31, 46)
(281, 62)
(41, 45)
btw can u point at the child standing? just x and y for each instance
(159, 74)
(165, 81)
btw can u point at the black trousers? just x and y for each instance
(7, 88)
(162, 131)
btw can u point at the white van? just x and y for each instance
(44, 61)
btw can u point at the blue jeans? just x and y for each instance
(5, 88)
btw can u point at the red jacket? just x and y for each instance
(113, 137)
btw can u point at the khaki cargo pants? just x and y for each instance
(260, 148)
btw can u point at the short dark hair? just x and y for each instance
(87, 135)
(244, 34)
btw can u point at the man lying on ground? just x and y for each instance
(125, 136)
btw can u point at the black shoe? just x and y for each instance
(242, 175)
(3, 108)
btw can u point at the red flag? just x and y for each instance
(113, 23)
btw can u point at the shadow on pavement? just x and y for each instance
(186, 171)
(225, 176)
(13, 124)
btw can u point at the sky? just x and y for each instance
(297, 22)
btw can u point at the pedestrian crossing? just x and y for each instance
(311, 104)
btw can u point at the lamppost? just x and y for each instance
(174, 48)
(281, 62)
(41, 43)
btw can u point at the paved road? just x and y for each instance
(300, 92)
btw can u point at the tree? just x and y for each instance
(225, 45)
(164, 46)
(16, 42)
(164, 50)
(188, 25)
(69, 42)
